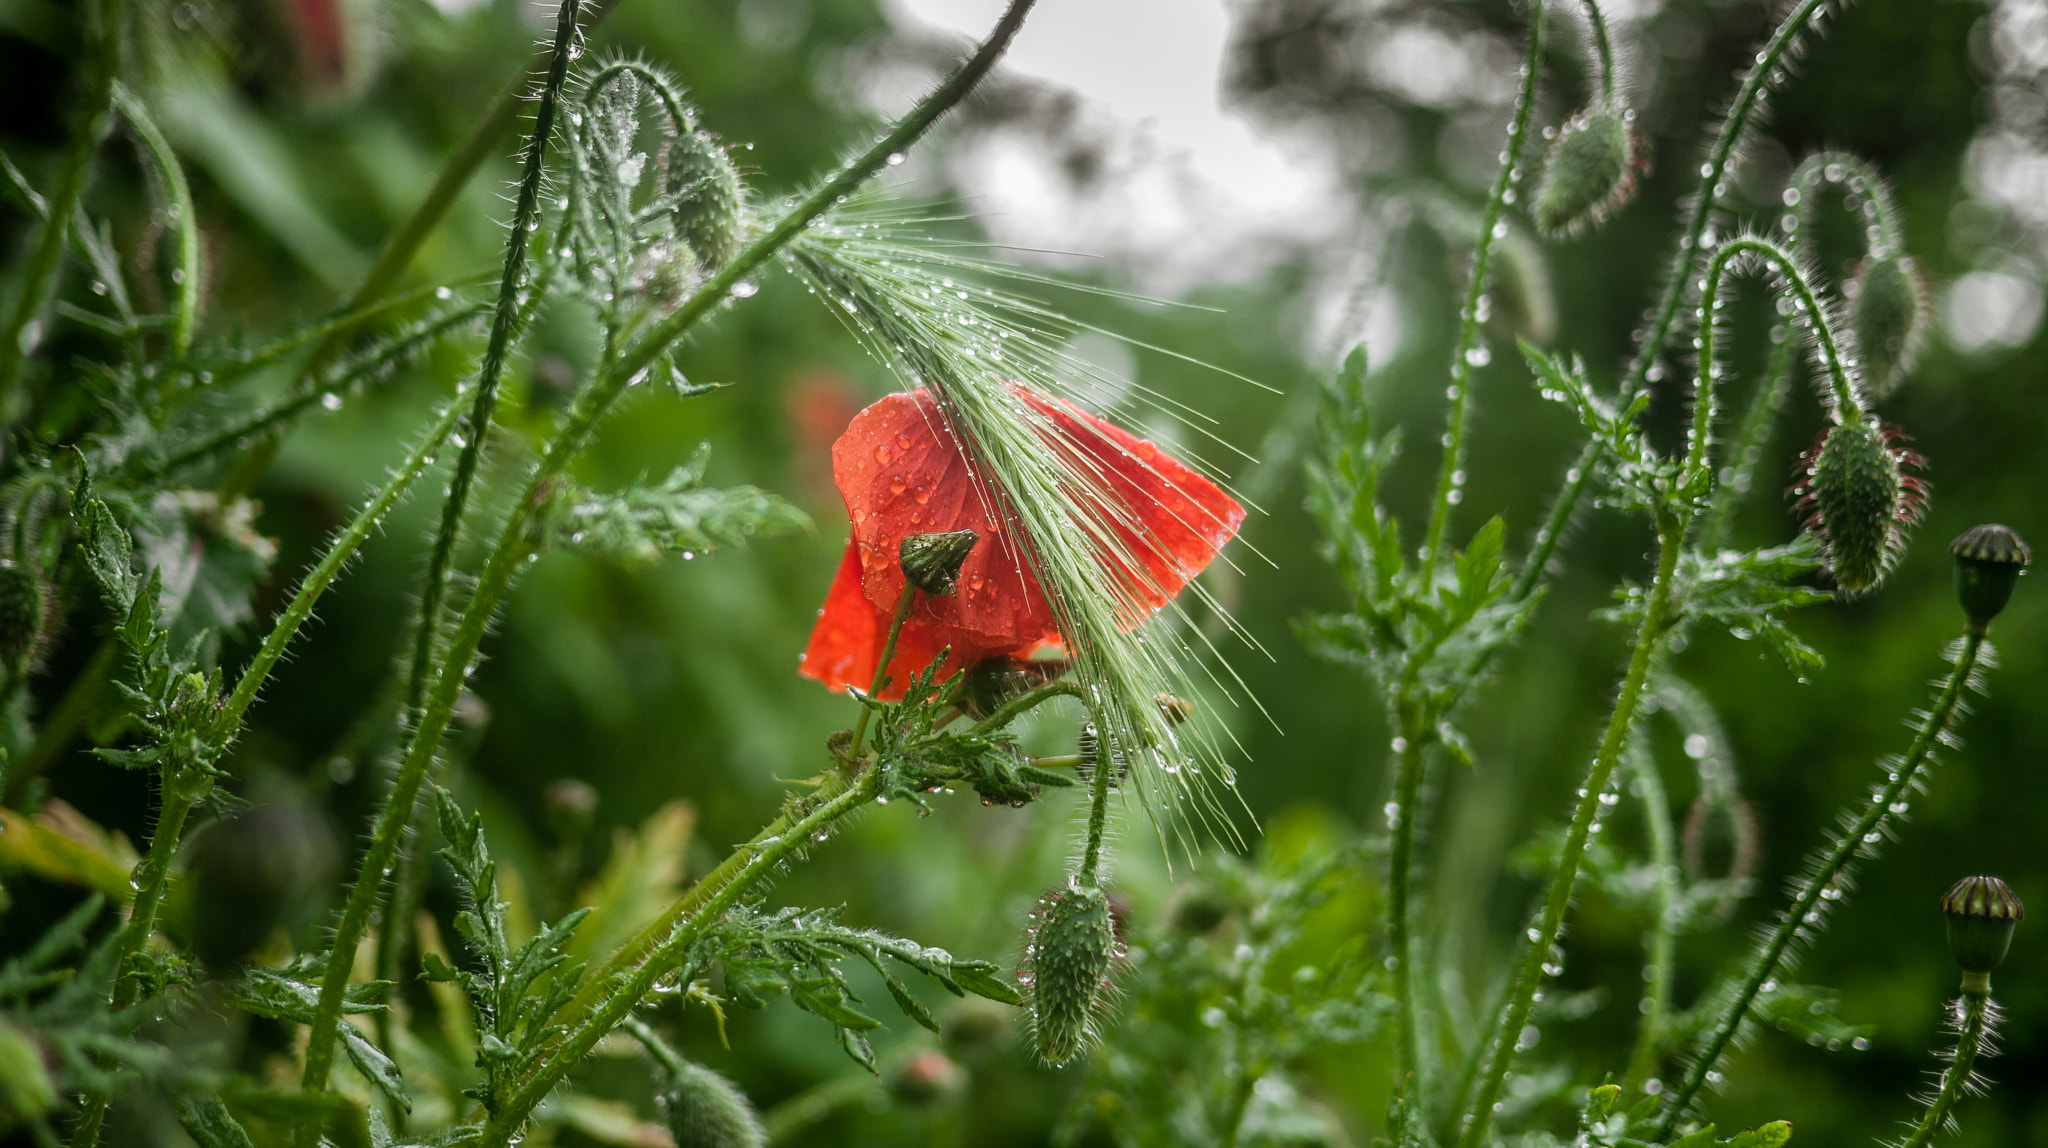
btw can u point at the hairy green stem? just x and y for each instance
(1955, 1080)
(1450, 479)
(711, 898)
(1880, 211)
(185, 276)
(1822, 876)
(1029, 700)
(1746, 446)
(881, 680)
(1661, 947)
(1546, 931)
(1098, 813)
(106, 23)
(1603, 49)
(1408, 769)
(179, 795)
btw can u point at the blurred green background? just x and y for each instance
(678, 683)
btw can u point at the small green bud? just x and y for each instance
(704, 187)
(1591, 170)
(1888, 313)
(932, 561)
(1070, 951)
(24, 614)
(26, 1091)
(705, 1110)
(1982, 913)
(1860, 501)
(1989, 562)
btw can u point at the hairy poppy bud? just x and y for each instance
(1989, 561)
(704, 187)
(1591, 170)
(1888, 313)
(1982, 913)
(24, 614)
(932, 561)
(705, 1110)
(1070, 949)
(252, 873)
(1859, 501)
(26, 1092)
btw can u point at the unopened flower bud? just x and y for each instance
(1989, 561)
(1591, 170)
(932, 561)
(705, 190)
(1888, 313)
(705, 1110)
(1860, 501)
(1071, 948)
(24, 614)
(927, 1078)
(1982, 913)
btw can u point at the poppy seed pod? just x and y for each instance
(24, 614)
(932, 561)
(1982, 913)
(704, 188)
(705, 1110)
(1860, 500)
(1591, 170)
(1888, 313)
(1069, 952)
(1989, 561)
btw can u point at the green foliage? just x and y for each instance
(678, 515)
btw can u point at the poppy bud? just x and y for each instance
(1888, 313)
(927, 1078)
(704, 187)
(252, 873)
(26, 1092)
(932, 561)
(1982, 913)
(705, 1110)
(1989, 561)
(1859, 501)
(24, 614)
(1591, 170)
(1068, 955)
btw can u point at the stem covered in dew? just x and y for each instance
(185, 221)
(106, 27)
(1662, 948)
(1603, 48)
(1823, 874)
(1978, 1012)
(1098, 813)
(1550, 924)
(1400, 909)
(1450, 479)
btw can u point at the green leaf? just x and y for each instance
(680, 514)
(1773, 1135)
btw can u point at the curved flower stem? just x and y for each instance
(1450, 479)
(1977, 1011)
(185, 311)
(181, 791)
(1029, 700)
(1603, 49)
(720, 889)
(1662, 946)
(1746, 446)
(1822, 874)
(902, 615)
(106, 23)
(1550, 925)
(1884, 235)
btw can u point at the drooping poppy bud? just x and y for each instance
(932, 561)
(24, 614)
(1888, 314)
(705, 1110)
(1068, 956)
(705, 191)
(1982, 914)
(1860, 499)
(1989, 561)
(1591, 170)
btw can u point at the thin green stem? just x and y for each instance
(80, 699)
(1029, 700)
(1955, 1081)
(1807, 307)
(1098, 814)
(322, 576)
(1535, 571)
(1661, 947)
(1883, 233)
(1746, 447)
(185, 276)
(1408, 768)
(106, 23)
(881, 680)
(1603, 49)
(1450, 479)
(712, 897)
(179, 795)
(1823, 874)
(1544, 934)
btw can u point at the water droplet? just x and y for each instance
(895, 159)
(745, 289)
(331, 401)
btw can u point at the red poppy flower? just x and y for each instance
(901, 469)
